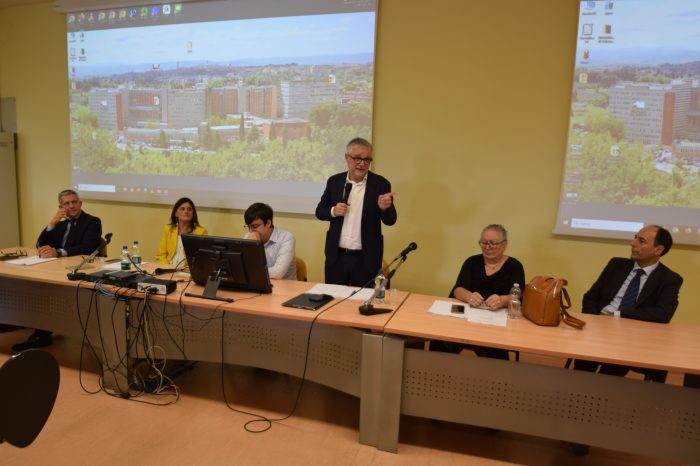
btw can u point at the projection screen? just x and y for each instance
(633, 151)
(227, 102)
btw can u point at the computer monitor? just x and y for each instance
(231, 263)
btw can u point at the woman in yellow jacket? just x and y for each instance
(183, 219)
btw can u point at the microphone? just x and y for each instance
(407, 249)
(73, 275)
(368, 309)
(346, 192)
(159, 271)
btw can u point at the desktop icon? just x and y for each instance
(71, 19)
(144, 11)
(585, 54)
(132, 12)
(122, 13)
(607, 28)
(101, 16)
(166, 9)
(178, 8)
(609, 5)
(112, 14)
(587, 29)
(155, 10)
(590, 4)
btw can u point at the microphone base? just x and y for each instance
(73, 276)
(370, 310)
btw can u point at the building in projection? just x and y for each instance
(652, 113)
(299, 97)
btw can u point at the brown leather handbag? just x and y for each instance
(545, 302)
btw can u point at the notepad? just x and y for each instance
(31, 260)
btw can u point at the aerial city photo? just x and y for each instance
(260, 98)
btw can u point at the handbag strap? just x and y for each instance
(565, 316)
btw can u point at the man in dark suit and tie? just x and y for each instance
(70, 232)
(356, 203)
(639, 288)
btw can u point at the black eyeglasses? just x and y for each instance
(491, 244)
(365, 160)
(253, 226)
(13, 254)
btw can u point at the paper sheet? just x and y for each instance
(498, 317)
(31, 260)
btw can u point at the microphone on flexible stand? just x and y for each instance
(411, 247)
(368, 309)
(73, 274)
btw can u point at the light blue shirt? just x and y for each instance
(614, 306)
(280, 253)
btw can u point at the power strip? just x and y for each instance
(156, 286)
(152, 288)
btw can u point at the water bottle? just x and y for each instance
(514, 311)
(379, 288)
(126, 264)
(135, 253)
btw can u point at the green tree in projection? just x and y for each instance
(253, 135)
(95, 150)
(82, 115)
(161, 140)
(598, 121)
(241, 128)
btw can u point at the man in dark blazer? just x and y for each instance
(355, 203)
(653, 296)
(70, 232)
(656, 291)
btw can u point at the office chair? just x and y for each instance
(28, 388)
(301, 269)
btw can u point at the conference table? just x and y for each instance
(374, 358)
(343, 350)
(613, 412)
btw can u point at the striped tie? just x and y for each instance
(630, 297)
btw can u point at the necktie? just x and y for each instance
(71, 224)
(630, 297)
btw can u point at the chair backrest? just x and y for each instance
(301, 269)
(28, 388)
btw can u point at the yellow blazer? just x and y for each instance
(168, 242)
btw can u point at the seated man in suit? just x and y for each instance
(639, 288)
(70, 232)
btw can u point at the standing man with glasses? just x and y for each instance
(70, 232)
(279, 244)
(356, 203)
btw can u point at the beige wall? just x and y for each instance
(471, 109)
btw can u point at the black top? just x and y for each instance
(473, 277)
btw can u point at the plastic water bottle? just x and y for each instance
(514, 311)
(126, 263)
(379, 288)
(135, 253)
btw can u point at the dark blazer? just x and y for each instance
(657, 300)
(84, 236)
(372, 218)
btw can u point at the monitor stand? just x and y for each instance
(210, 289)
